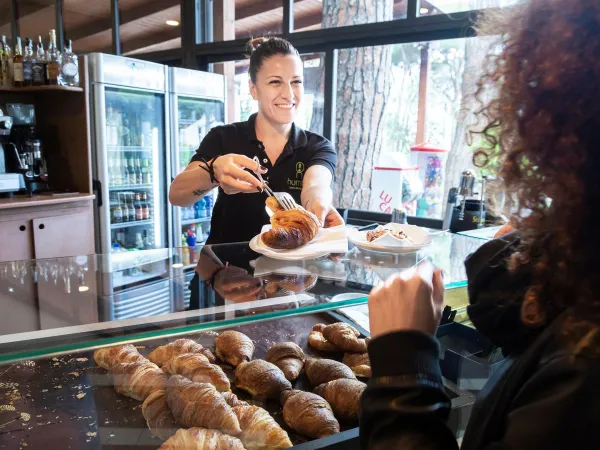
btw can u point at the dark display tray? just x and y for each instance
(50, 408)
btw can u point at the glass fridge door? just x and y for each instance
(136, 169)
(195, 118)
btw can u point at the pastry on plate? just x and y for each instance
(291, 229)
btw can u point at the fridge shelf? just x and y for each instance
(131, 187)
(123, 148)
(193, 221)
(137, 223)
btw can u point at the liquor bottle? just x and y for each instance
(124, 208)
(28, 63)
(139, 176)
(147, 172)
(4, 63)
(69, 66)
(18, 75)
(52, 60)
(39, 64)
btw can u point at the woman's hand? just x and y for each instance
(411, 300)
(326, 213)
(230, 173)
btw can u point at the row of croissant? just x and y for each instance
(180, 383)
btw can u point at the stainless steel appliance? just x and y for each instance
(197, 104)
(131, 132)
(11, 180)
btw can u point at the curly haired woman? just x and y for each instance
(534, 292)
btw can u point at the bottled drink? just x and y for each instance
(69, 66)
(145, 210)
(39, 65)
(18, 75)
(139, 177)
(139, 213)
(139, 242)
(147, 172)
(131, 174)
(124, 208)
(4, 63)
(132, 212)
(117, 214)
(146, 239)
(28, 63)
(124, 173)
(52, 60)
(117, 177)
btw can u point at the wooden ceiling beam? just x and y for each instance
(127, 16)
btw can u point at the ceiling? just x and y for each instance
(143, 28)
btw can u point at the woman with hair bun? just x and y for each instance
(290, 159)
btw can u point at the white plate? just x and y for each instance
(327, 241)
(388, 244)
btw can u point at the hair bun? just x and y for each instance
(253, 44)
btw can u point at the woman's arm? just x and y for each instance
(190, 185)
(316, 191)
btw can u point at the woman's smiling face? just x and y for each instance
(279, 88)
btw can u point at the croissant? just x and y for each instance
(201, 439)
(197, 368)
(261, 379)
(317, 341)
(359, 363)
(345, 336)
(232, 399)
(308, 414)
(321, 371)
(200, 405)
(109, 357)
(288, 357)
(158, 415)
(344, 397)
(138, 379)
(234, 347)
(161, 355)
(259, 429)
(290, 229)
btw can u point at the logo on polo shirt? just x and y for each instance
(297, 182)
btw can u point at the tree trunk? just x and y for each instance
(363, 79)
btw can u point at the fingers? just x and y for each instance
(242, 175)
(425, 270)
(438, 287)
(248, 163)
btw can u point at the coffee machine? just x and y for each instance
(11, 171)
(470, 212)
(31, 162)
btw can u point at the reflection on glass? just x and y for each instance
(134, 143)
(433, 7)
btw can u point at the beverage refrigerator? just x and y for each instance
(197, 104)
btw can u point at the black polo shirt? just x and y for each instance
(240, 217)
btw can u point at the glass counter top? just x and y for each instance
(53, 306)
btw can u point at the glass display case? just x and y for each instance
(61, 310)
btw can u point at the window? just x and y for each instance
(412, 96)
(241, 105)
(316, 14)
(245, 19)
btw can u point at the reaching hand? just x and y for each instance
(410, 300)
(230, 173)
(326, 214)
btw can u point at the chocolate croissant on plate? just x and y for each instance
(288, 357)
(259, 429)
(321, 371)
(234, 347)
(345, 336)
(291, 229)
(261, 379)
(197, 368)
(158, 415)
(200, 405)
(344, 397)
(161, 355)
(308, 414)
(201, 439)
(138, 379)
(109, 357)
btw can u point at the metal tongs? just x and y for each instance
(284, 199)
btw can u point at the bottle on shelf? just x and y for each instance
(5, 57)
(139, 212)
(139, 242)
(18, 75)
(125, 207)
(52, 60)
(146, 240)
(69, 66)
(132, 174)
(132, 212)
(147, 172)
(28, 63)
(145, 207)
(117, 214)
(185, 251)
(139, 176)
(117, 174)
(39, 64)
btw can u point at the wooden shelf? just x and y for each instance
(41, 89)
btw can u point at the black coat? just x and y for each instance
(545, 396)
